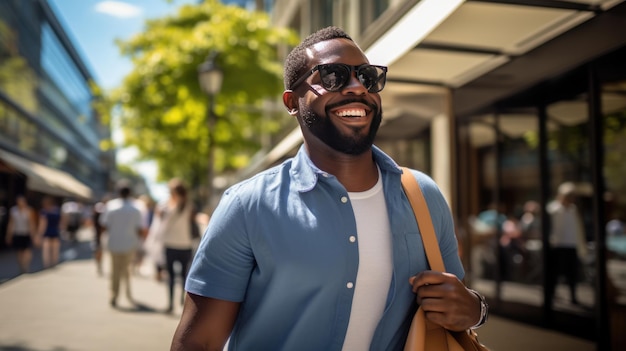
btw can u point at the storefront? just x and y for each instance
(512, 158)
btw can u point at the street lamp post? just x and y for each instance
(210, 77)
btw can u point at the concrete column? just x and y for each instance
(444, 152)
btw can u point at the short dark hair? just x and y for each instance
(123, 187)
(296, 61)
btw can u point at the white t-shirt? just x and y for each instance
(21, 220)
(123, 222)
(175, 227)
(375, 266)
(565, 225)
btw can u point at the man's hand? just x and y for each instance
(445, 300)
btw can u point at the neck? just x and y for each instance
(355, 172)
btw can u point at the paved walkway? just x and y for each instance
(66, 309)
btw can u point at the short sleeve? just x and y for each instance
(224, 260)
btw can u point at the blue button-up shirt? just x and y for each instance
(279, 243)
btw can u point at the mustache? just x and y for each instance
(369, 104)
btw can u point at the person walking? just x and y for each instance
(50, 223)
(176, 218)
(323, 252)
(568, 245)
(123, 225)
(21, 233)
(72, 212)
(98, 209)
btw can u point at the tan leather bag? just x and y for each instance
(423, 334)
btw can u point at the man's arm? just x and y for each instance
(205, 324)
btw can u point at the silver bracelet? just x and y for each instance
(484, 310)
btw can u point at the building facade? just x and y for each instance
(50, 133)
(501, 102)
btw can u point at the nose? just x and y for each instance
(354, 86)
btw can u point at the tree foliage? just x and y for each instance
(163, 111)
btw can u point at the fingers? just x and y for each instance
(426, 278)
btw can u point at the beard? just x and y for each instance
(355, 142)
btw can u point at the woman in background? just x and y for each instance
(50, 224)
(176, 216)
(21, 232)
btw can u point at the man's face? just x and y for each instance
(346, 120)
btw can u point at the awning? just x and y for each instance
(46, 179)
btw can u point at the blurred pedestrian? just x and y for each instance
(149, 208)
(568, 244)
(72, 212)
(530, 222)
(146, 205)
(98, 209)
(124, 228)
(21, 232)
(176, 224)
(153, 245)
(50, 224)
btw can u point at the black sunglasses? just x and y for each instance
(335, 76)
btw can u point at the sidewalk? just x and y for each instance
(501, 334)
(66, 308)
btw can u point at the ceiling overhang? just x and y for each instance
(472, 40)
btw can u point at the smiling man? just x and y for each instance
(323, 251)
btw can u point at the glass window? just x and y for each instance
(27, 136)
(502, 206)
(62, 71)
(571, 269)
(613, 97)
(481, 217)
(17, 79)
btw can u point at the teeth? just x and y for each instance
(351, 113)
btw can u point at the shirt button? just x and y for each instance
(350, 285)
(352, 238)
(344, 199)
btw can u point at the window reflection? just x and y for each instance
(505, 228)
(572, 266)
(614, 111)
(17, 79)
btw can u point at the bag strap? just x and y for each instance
(416, 339)
(424, 220)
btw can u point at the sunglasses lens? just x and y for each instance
(334, 77)
(372, 77)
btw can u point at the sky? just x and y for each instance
(93, 26)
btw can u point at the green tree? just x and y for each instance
(163, 111)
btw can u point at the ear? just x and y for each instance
(291, 102)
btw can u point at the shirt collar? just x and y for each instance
(305, 174)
